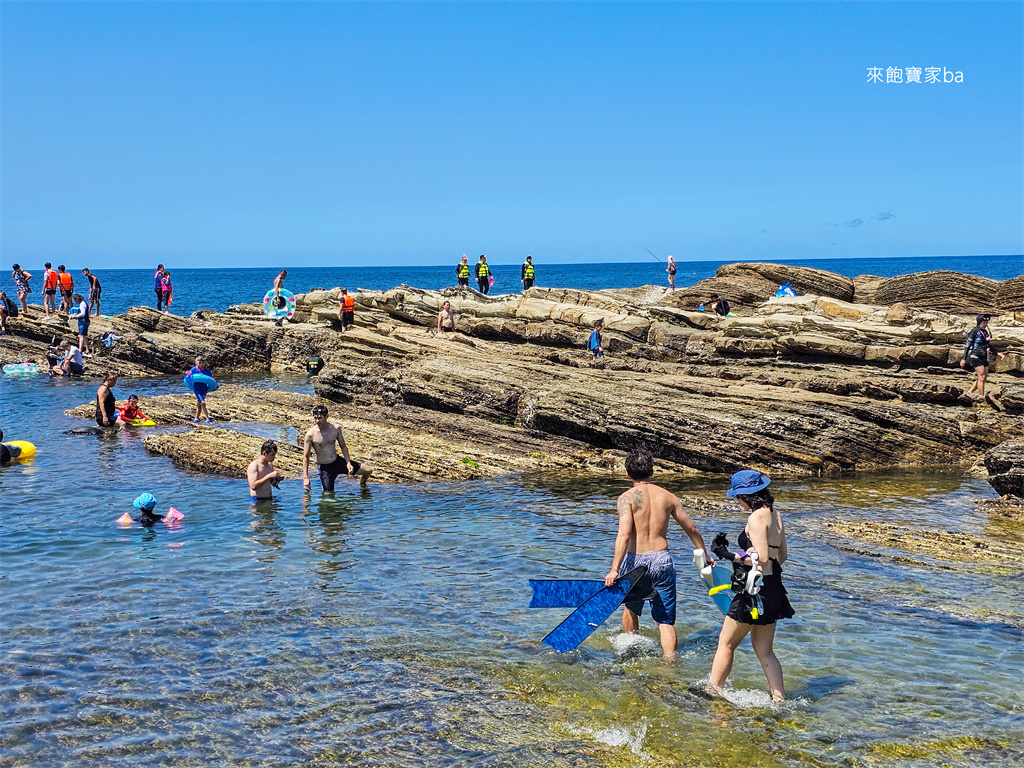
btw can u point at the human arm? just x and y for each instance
(344, 451)
(625, 507)
(757, 530)
(252, 474)
(690, 529)
(439, 320)
(307, 446)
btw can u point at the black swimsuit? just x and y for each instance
(774, 599)
(110, 405)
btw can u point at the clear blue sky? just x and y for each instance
(299, 134)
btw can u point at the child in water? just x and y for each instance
(145, 506)
(130, 413)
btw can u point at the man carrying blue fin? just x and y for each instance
(642, 539)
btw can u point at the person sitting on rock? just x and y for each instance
(262, 476)
(130, 412)
(977, 353)
(719, 305)
(321, 439)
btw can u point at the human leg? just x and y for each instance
(630, 621)
(363, 473)
(762, 638)
(729, 639)
(22, 297)
(668, 639)
(159, 299)
(982, 371)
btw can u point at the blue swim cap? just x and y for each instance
(146, 501)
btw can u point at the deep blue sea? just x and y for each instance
(219, 288)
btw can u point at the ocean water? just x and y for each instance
(219, 288)
(390, 627)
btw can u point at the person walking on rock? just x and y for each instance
(158, 287)
(200, 390)
(21, 287)
(95, 289)
(483, 275)
(977, 353)
(320, 439)
(642, 539)
(671, 269)
(462, 271)
(529, 275)
(346, 310)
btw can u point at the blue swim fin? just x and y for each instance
(579, 624)
(562, 593)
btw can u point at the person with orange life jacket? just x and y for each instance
(66, 286)
(49, 289)
(346, 310)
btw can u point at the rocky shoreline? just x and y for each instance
(852, 374)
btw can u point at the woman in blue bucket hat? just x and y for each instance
(765, 534)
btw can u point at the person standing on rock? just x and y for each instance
(262, 476)
(446, 319)
(483, 274)
(765, 534)
(95, 289)
(596, 341)
(167, 289)
(529, 275)
(642, 539)
(977, 353)
(66, 286)
(671, 269)
(346, 310)
(462, 271)
(81, 314)
(158, 287)
(49, 289)
(21, 287)
(320, 439)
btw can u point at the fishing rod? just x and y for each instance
(652, 253)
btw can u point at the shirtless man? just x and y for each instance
(320, 438)
(262, 476)
(644, 512)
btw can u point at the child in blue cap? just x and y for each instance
(145, 510)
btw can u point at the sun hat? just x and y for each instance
(747, 481)
(146, 501)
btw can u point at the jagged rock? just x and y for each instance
(1005, 465)
(1010, 295)
(940, 289)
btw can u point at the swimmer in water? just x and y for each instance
(144, 511)
(262, 476)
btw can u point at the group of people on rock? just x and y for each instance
(163, 288)
(57, 281)
(484, 276)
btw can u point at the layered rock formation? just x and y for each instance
(812, 384)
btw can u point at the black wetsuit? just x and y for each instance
(774, 599)
(979, 346)
(109, 405)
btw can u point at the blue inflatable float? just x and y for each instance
(200, 385)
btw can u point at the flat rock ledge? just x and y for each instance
(400, 447)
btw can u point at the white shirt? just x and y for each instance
(75, 354)
(83, 310)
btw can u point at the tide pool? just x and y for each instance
(390, 626)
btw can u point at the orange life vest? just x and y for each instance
(66, 283)
(350, 304)
(50, 280)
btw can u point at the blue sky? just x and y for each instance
(301, 134)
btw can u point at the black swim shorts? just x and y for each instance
(329, 472)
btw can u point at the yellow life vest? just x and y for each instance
(484, 270)
(528, 274)
(463, 270)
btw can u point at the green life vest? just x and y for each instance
(463, 270)
(528, 274)
(483, 271)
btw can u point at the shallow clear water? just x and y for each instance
(390, 627)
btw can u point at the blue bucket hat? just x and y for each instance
(747, 481)
(146, 502)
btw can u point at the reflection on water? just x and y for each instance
(390, 627)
